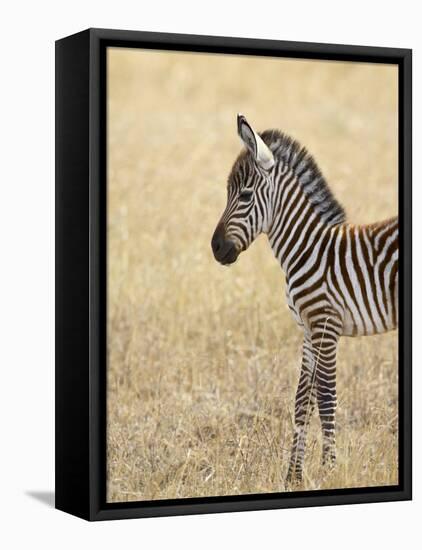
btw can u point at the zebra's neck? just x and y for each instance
(294, 161)
(303, 210)
(303, 207)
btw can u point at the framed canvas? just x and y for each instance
(233, 261)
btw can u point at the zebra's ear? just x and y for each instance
(254, 143)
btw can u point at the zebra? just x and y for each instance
(341, 279)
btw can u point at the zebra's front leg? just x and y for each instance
(325, 337)
(304, 406)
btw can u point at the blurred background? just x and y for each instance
(203, 360)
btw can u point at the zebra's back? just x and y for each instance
(362, 276)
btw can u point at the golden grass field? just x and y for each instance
(203, 360)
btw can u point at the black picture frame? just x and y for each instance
(81, 272)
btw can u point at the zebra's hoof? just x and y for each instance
(293, 479)
(328, 462)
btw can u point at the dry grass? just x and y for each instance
(204, 360)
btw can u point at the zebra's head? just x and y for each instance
(248, 208)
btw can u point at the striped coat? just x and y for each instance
(341, 279)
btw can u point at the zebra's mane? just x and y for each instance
(308, 174)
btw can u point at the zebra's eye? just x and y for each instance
(245, 196)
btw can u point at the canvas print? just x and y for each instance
(252, 275)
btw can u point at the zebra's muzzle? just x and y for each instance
(230, 255)
(224, 250)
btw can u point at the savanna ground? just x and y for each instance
(203, 360)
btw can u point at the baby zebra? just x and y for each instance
(341, 279)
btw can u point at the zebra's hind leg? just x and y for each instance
(304, 406)
(325, 337)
